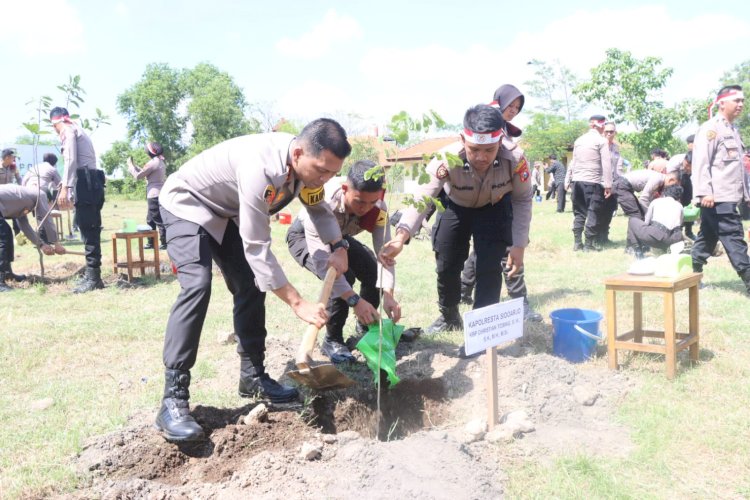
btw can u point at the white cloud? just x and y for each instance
(333, 29)
(56, 27)
(122, 10)
(312, 99)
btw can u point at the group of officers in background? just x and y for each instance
(217, 208)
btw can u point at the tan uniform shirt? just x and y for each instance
(614, 154)
(7, 175)
(77, 151)
(44, 175)
(155, 173)
(717, 162)
(647, 182)
(666, 211)
(591, 161)
(245, 179)
(374, 221)
(468, 189)
(17, 201)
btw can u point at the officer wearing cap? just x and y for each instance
(488, 198)
(16, 202)
(8, 170)
(590, 173)
(155, 173)
(359, 207)
(216, 207)
(82, 187)
(719, 184)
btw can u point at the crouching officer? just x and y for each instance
(358, 206)
(16, 202)
(216, 207)
(488, 199)
(82, 183)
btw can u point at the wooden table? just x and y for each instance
(632, 340)
(56, 217)
(141, 263)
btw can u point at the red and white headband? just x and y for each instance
(483, 138)
(730, 94)
(151, 149)
(60, 119)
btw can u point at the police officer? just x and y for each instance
(16, 202)
(44, 175)
(217, 206)
(718, 183)
(8, 174)
(82, 183)
(662, 224)
(558, 171)
(358, 206)
(590, 173)
(609, 206)
(488, 199)
(155, 173)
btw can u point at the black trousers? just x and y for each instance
(561, 195)
(609, 207)
(490, 228)
(363, 266)
(192, 250)
(516, 285)
(631, 207)
(6, 245)
(153, 218)
(722, 223)
(652, 235)
(89, 200)
(588, 203)
(551, 191)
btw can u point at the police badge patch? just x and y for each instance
(711, 135)
(522, 169)
(269, 194)
(442, 172)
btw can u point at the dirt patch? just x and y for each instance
(412, 440)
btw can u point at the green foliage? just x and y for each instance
(116, 157)
(629, 88)
(403, 125)
(216, 107)
(547, 134)
(362, 149)
(739, 75)
(287, 126)
(128, 187)
(553, 85)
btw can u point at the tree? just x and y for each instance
(216, 107)
(117, 155)
(549, 133)
(629, 88)
(553, 86)
(151, 108)
(740, 75)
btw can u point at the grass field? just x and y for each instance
(98, 357)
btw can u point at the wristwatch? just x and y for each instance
(353, 300)
(342, 243)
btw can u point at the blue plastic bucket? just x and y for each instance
(576, 332)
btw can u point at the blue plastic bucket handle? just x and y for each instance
(597, 337)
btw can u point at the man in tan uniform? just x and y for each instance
(719, 184)
(82, 187)
(155, 173)
(8, 170)
(44, 175)
(16, 202)
(590, 174)
(216, 207)
(488, 198)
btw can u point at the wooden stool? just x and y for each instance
(141, 263)
(674, 342)
(56, 216)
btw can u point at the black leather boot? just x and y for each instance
(591, 245)
(466, 294)
(746, 280)
(577, 242)
(92, 280)
(448, 320)
(256, 383)
(10, 275)
(174, 420)
(149, 244)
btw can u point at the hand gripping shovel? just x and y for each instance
(321, 377)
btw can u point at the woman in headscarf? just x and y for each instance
(155, 173)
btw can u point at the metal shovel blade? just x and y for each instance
(322, 377)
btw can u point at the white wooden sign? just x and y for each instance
(493, 325)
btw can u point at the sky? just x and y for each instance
(341, 58)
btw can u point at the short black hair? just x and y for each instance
(155, 147)
(483, 118)
(356, 177)
(689, 157)
(659, 153)
(325, 134)
(50, 158)
(8, 152)
(673, 191)
(57, 112)
(690, 139)
(553, 156)
(727, 88)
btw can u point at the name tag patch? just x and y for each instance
(312, 196)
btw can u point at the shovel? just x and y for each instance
(325, 376)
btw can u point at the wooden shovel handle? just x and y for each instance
(304, 355)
